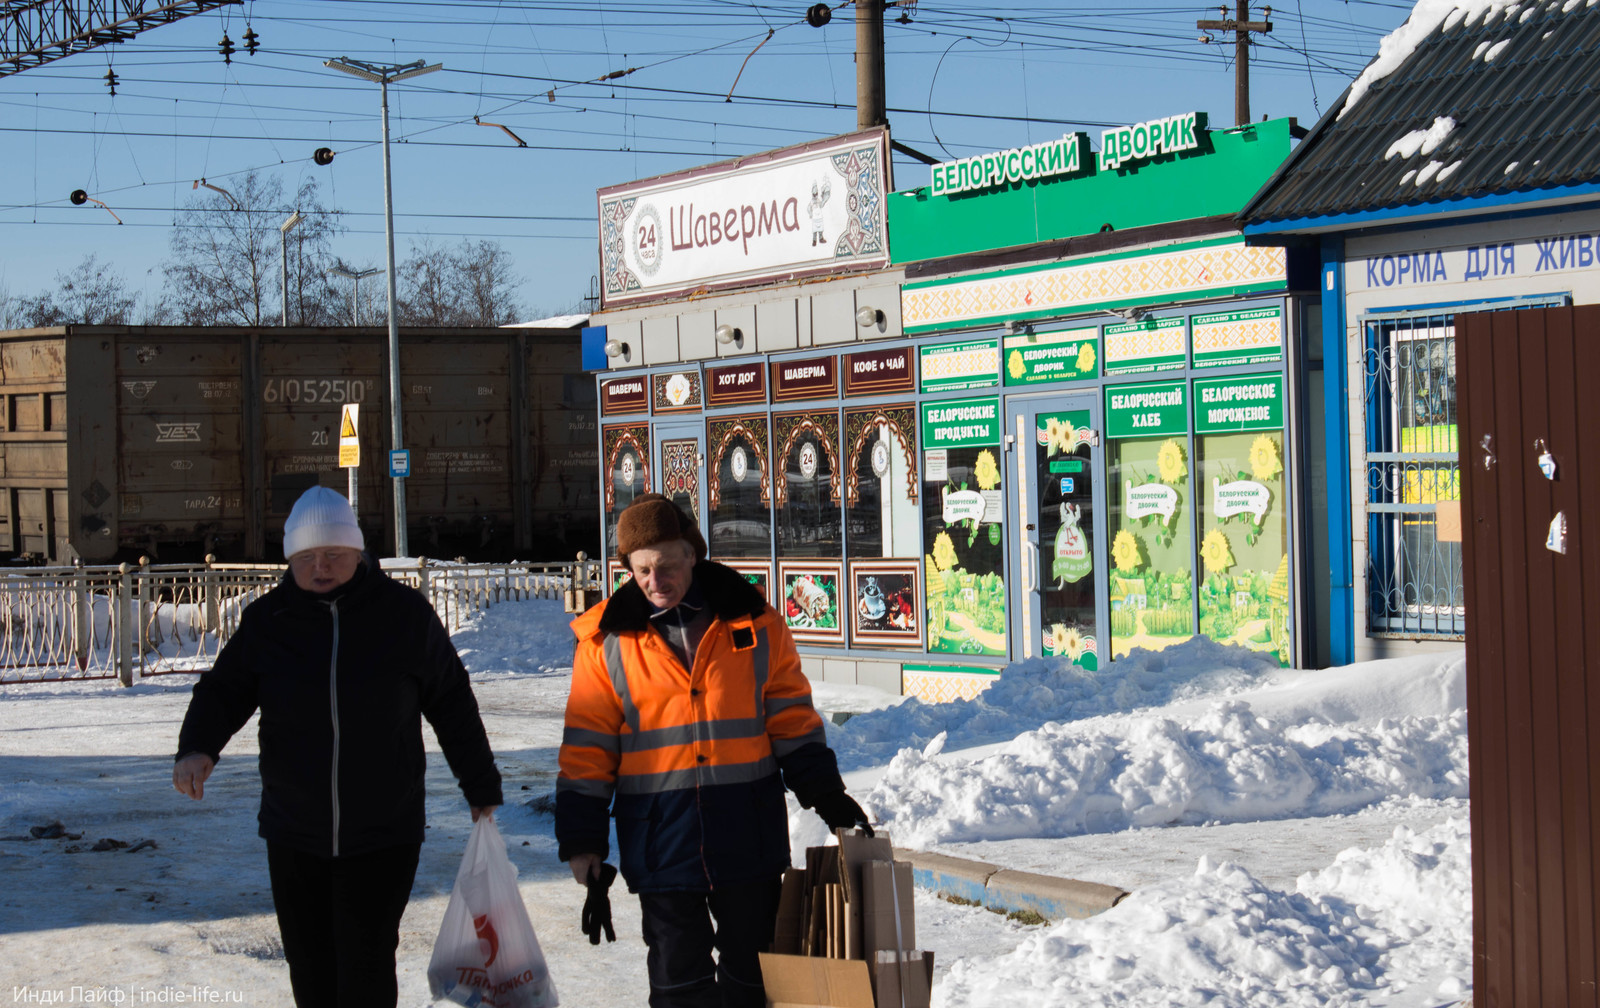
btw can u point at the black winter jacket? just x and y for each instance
(340, 681)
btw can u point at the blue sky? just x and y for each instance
(962, 79)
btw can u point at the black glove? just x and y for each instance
(597, 908)
(840, 811)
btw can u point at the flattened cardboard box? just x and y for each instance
(815, 982)
(794, 981)
(904, 981)
(850, 908)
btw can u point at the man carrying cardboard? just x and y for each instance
(688, 717)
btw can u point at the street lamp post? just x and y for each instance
(383, 76)
(356, 276)
(283, 230)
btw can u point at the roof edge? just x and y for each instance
(1522, 199)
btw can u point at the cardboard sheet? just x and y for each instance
(815, 982)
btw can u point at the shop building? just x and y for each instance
(1061, 411)
(1459, 173)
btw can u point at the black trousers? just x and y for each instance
(678, 927)
(340, 922)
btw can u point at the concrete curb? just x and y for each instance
(1006, 890)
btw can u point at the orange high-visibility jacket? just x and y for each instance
(692, 762)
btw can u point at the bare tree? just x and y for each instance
(92, 294)
(472, 284)
(226, 251)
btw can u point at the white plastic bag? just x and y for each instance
(487, 953)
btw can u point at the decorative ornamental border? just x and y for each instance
(1094, 283)
(902, 421)
(826, 427)
(615, 438)
(722, 434)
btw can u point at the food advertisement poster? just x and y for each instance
(810, 602)
(883, 603)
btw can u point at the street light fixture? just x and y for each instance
(383, 76)
(288, 225)
(355, 288)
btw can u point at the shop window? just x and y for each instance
(808, 486)
(627, 449)
(1148, 474)
(1414, 581)
(962, 509)
(881, 514)
(1243, 590)
(741, 487)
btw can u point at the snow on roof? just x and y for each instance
(1399, 44)
(553, 322)
(1425, 141)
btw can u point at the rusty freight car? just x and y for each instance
(177, 441)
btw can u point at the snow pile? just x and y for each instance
(1424, 141)
(1229, 765)
(1034, 691)
(517, 638)
(1377, 922)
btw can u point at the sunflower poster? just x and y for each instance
(1148, 465)
(963, 570)
(1243, 590)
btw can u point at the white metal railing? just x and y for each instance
(137, 620)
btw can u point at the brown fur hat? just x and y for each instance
(652, 519)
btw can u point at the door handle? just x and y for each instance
(1030, 566)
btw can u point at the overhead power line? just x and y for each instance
(33, 34)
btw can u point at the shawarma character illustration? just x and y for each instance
(820, 191)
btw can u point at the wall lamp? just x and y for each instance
(615, 348)
(729, 334)
(868, 316)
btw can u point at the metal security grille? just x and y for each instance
(1414, 586)
(1414, 583)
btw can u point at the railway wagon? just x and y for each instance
(173, 442)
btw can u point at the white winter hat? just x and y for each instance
(321, 517)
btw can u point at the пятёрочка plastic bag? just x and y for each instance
(487, 953)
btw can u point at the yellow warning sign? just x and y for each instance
(349, 444)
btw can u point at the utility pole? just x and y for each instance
(870, 103)
(1241, 26)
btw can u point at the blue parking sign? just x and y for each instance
(400, 463)
(1066, 484)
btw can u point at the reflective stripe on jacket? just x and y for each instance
(689, 758)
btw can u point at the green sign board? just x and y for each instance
(1158, 409)
(1157, 345)
(1249, 403)
(1217, 177)
(961, 423)
(1239, 337)
(1051, 356)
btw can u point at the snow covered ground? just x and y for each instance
(1289, 837)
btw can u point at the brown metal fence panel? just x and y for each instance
(1529, 384)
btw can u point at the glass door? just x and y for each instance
(681, 462)
(1060, 510)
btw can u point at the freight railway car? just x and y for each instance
(177, 441)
